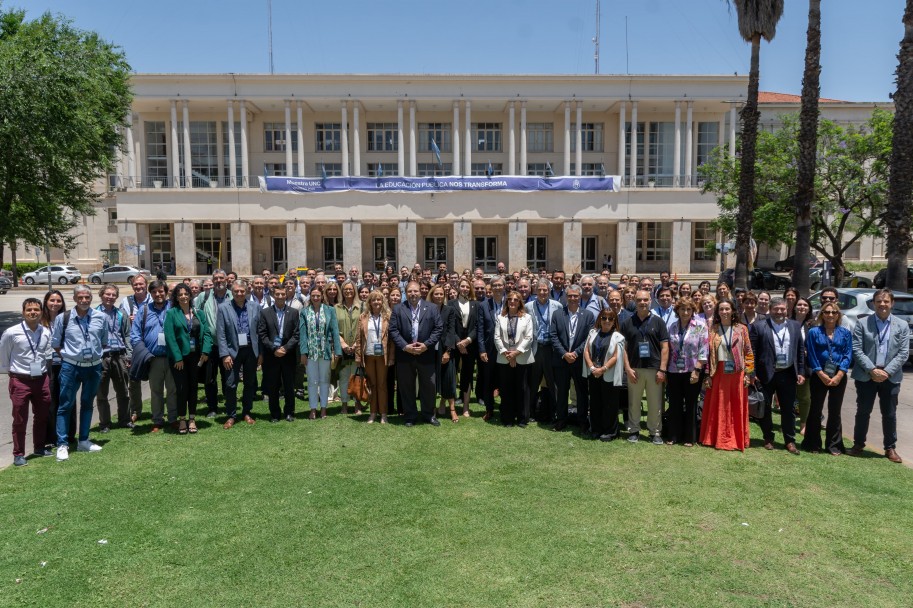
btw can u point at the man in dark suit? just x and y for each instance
(278, 335)
(488, 353)
(236, 335)
(779, 355)
(467, 323)
(415, 327)
(568, 331)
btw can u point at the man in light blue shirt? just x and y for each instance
(664, 308)
(80, 336)
(149, 328)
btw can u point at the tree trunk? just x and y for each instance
(13, 263)
(750, 117)
(808, 139)
(900, 184)
(2, 253)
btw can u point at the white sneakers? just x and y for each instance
(87, 446)
(63, 453)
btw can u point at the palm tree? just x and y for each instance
(808, 140)
(900, 183)
(757, 19)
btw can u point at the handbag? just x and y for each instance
(358, 386)
(756, 402)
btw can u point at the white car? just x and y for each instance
(59, 274)
(856, 304)
(117, 274)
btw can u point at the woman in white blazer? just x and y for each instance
(603, 364)
(514, 341)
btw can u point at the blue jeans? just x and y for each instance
(71, 377)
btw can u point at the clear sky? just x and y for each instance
(860, 40)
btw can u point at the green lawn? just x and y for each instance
(341, 513)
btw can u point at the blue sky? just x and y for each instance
(860, 40)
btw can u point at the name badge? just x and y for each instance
(644, 350)
(242, 339)
(87, 354)
(680, 365)
(36, 368)
(729, 367)
(193, 344)
(781, 361)
(830, 368)
(160, 340)
(378, 349)
(277, 341)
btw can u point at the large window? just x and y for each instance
(588, 254)
(332, 251)
(209, 242)
(662, 147)
(204, 153)
(486, 253)
(384, 252)
(640, 153)
(486, 136)
(328, 136)
(382, 137)
(540, 137)
(483, 169)
(536, 250)
(156, 154)
(274, 137)
(656, 238)
(225, 157)
(429, 169)
(383, 169)
(439, 131)
(275, 169)
(332, 169)
(435, 251)
(708, 138)
(160, 245)
(703, 236)
(591, 135)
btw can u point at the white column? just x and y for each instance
(175, 151)
(232, 157)
(462, 245)
(130, 182)
(467, 140)
(681, 246)
(626, 247)
(732, 123)
(401, 148)
(677, 151)
(413, 162)
(129, 239)
(571, 245)
(188, 161)
(621, 140)
(241, 248)
(578, 152)
(689, 144)
(633, 167)
(721, 135)
(511, 140)
(344, 141)
(220, 145)
(523, 163)
(356, 142)
(517, 232)
(647, 177)
(296, 245)
(139, 138)
(245, 165)
(567, 138)
(185, 249)
(456, 149)
(406, 243)
(351, 248)
(289, 168)
(300, 117)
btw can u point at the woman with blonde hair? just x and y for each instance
(375, 353)
(514, 341)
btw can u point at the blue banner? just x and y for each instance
(451, 183)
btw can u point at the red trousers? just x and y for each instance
(25, 390)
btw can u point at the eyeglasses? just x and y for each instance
(829, 312)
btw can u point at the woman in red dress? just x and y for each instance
(724, 423)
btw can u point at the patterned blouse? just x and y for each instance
(741, 348)
(687, 348)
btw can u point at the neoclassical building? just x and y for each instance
(188, 185)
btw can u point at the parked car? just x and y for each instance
(117, 274)
(790, 263)
(59, 274)
(882, 276)
(856, 304)
(5, 285)
(850, 279)
(757, 279)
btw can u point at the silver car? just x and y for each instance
(857, 304)
(59, 274)
(117, 274)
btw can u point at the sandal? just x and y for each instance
(182, 427)
(192, 426)
(453, 416)
(466, 412)
(383, 420)
(313, 415)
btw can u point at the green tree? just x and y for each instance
(64, 97)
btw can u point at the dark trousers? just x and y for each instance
(783, 385)
(887, 393)
(539, 369)
(487, 381)
(834, 434)
(25, 390)
(186, 385)
(276, 371)
(214, 369)
(465, 365)
(114, 371)
(246, 363)
(563, 376)
(408, 369)
(682, 412)
(514, 393)
(604, 400)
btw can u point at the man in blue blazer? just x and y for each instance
(568, 331)
(415, 327)
(881, 346)
(779, 361)
(236, 334)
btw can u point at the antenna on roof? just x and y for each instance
(596, 39)
(269, 16)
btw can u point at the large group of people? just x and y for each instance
(539, 347)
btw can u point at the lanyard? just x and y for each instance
(40, 332)
(240, 314)
(727, 342)
(665, 315)
(414, 312)
(682, 332)
(280, 315)
(84, 330)
(641, 330)
(512, 328)
(830, 344)
(317, 318)
(883, 333)
(190, 323)
(376, 321)
(776, 333)
(543, 318)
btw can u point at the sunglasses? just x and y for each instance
(828, 298)
(829, 312)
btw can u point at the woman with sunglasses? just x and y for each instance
(689, 344)
(603, 359)
(830, 356)
(514, 341)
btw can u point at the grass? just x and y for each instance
(340, 513)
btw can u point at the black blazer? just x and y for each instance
(559, 332)
(765, 354)
(486, 328)
(472, 326)
(267, 329)
(430, 329)
(449, 320)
